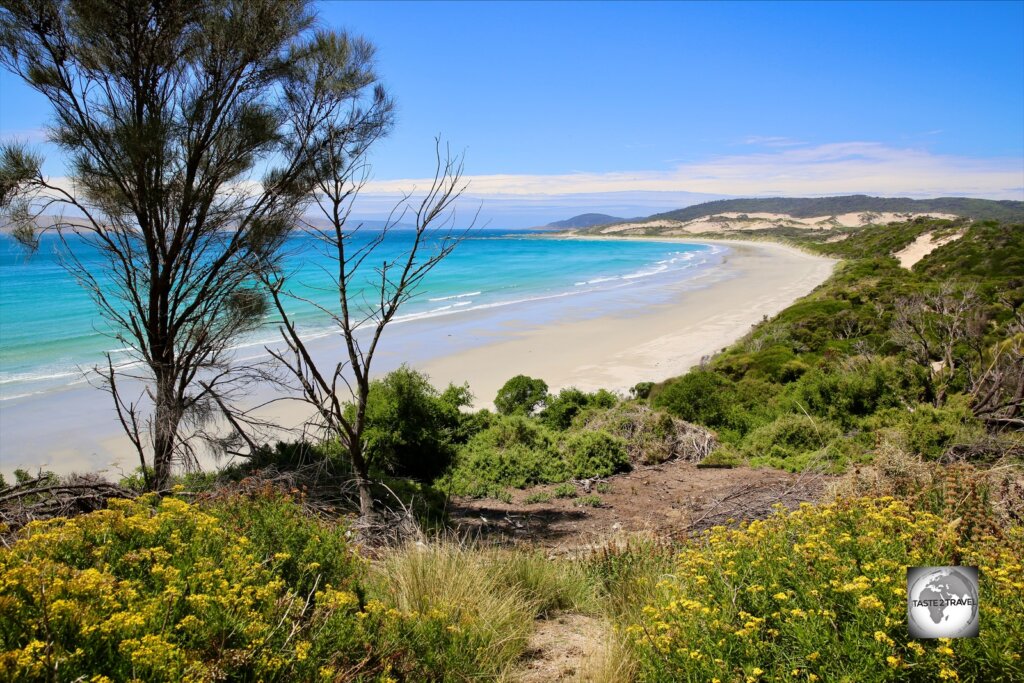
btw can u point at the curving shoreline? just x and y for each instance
(583, 342)
(651, 344)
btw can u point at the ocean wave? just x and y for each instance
(669, 264)
(455, 296)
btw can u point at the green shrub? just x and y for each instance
(864, 386)
(517, 451)
(788, 435)
(513, 452)
(792, 370)
(650, 436)
(303, 552)
(724, 457)
(929, 431)
(565, 491)
(560, 410)
(590, 501)
(595, 454)
(700, 396)
(794, 442)
(411, 428)
(521, 395)
(538, 497)
(642, 390)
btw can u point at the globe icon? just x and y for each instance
(942, 602)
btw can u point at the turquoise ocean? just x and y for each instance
(50, 330)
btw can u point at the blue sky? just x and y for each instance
(630, 107)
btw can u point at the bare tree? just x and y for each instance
(947, 332)
(369, 293)
(932, 326)
(996, 380)
(167, 109)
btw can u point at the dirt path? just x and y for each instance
(667, 501)
(561, 649)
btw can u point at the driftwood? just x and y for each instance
(47, 496)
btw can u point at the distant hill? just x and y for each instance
(585, 220)
(978, 209)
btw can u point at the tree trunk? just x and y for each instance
(361, 468)
(165, 425)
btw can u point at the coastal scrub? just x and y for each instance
(819, 594)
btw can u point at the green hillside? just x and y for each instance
(798, 207)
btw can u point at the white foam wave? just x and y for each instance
(455, 296)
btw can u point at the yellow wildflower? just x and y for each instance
(881, 637)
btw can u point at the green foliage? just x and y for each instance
(650, 436)
(521, 395)
(700, 396)
(880, 240)
(794, 442)
(931, 431)
(724, 457)
(987, 251)
(565, 491)
(517, 451)
(590, 501)
(642, 390)
(514, 451)
(425, 500)
(559, 410)
(292, 456)
(595, 454)
(817, 595)
(411, 428)
(537, 497)
(980, 209)
(859, 388)
(303, 551)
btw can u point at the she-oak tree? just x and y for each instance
(196, 133)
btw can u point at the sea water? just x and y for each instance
(51, 331)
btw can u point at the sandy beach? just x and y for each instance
(650, 344)
(568, 342)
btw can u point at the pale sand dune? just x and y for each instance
(649, 345)
(734, 221)
(922, 246)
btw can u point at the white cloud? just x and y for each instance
(793, 170)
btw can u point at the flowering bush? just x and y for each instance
(819, 594)
(244, 589)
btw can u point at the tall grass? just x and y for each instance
(458, 581)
